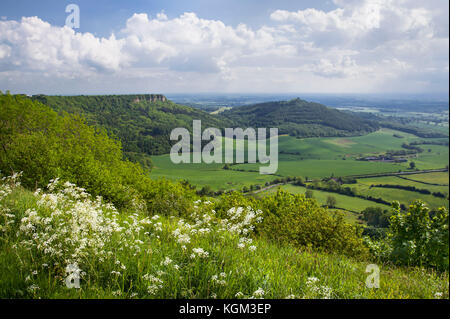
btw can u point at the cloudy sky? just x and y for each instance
(251, 46)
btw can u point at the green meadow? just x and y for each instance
(202, 174)
(350, 205)
(403, 196)
(311, 157)
(317, 158)
(435, 178)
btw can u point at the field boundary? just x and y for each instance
(400, 173)
(421, 182)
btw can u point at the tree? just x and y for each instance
(43, 145)
(376, 217)
(331, 201)
(309, 193)
(206, 190)
(412, 165)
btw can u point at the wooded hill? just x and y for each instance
(143, 122)
(301, 118)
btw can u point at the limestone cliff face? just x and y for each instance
(150, 98)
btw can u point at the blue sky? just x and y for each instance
(102, 17)
(255, 46)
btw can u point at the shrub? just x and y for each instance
(303, 222)
(40, 143)
(376, 217)
(418, 239)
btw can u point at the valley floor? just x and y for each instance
(318, 158)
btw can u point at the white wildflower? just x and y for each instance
(259, 293)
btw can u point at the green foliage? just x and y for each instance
(417, 238)
(145, 259)
(309, 193)
(234, 199)
(331, 201)
(303, 222)
(142, 122)
(376, 217)
(300, 118)
(403, 125)
(43, 145)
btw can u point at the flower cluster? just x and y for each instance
(219, 279)
(68, 227)
(317, 291)
(154, 283)
(6, 187)
(241, 220)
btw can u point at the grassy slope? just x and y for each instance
(435, 178)
(279, 270)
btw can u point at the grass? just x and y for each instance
(437, 158)
(312, 168)
(347, 203)
(147, 259)
(435, 178)
(394, 180)
(321, 157)
(316, 158)
(403, 196)
(334, 148)
(203, 174)
(311, 157)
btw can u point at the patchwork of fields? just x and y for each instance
(317, 158)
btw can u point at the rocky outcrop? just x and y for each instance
(150, 98)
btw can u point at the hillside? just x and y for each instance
(142, 122)
(301, 118)
(70, 204)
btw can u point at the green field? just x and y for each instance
(403, 196)
(205, 174)
(435, 178)
(322, 157)
(394, 180)
(336, 147)
(351, 205)
(316, 158)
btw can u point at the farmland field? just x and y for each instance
(403, 196)
(435, 178)
(205, 174)
(351, 205)
(317, 158)
(395, 180)
(322, 157)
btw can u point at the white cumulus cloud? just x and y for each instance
(361, 45)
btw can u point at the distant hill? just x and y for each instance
(300, 118)
(142, 122)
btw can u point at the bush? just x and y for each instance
(43, 145)
(418, 239)
(303, 222)
(376, 217)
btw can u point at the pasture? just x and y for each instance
(351, 205)
(317, 158)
